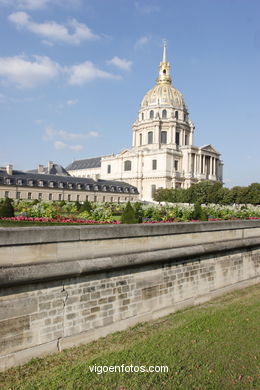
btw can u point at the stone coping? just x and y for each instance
(48, 234)
(30, 273)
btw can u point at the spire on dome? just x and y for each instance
(164, 70)
(164, 51)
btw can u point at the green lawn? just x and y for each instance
(212, 346)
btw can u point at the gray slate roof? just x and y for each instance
(56, 169)
(94, 162)
(31, 179)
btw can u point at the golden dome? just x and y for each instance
(163, 93)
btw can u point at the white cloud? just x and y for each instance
(59, 145)
(73, 33)
(72, 102)
(146, 8)
(51, 133)
(27, 74)
(87, 71)
(141, 42)
(120, 63)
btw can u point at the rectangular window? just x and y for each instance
(154, 164)
(111, 199)
(153, 189)
(186, 139)
(29, 195)
(109, 168)
(95, 198)
(177, 138)
(150, 137)
(18, 195)
(140, 139)
(119, 199)
(86, 197)
(6, 194)
(69, 198)
(164, 137)
(60, 196)
(50, 196)
(77, 198)
(40, 196)
(176, 165)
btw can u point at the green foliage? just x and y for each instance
(86, 206)
(139, 212)
(207, 192)
(129, 215)
(6, 208)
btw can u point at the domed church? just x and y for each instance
(162, 153)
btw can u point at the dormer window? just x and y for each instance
(51, 184)
(8, 181)
(60, 185)
(104, 188)
(79, 186)
(19, 182)
(88, 187)
(30, 182)
(96, 187)
(40, 183)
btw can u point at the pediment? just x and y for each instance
(209, 148)
(123, 152)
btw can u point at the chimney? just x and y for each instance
(9, 169)
(50, 165)
(40, 169)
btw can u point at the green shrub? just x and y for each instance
(86, 206)
(6, 208)
(128, 215)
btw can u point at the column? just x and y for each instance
(210, 165)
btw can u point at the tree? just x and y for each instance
(6, 208)
(128, 215)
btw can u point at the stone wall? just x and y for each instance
(62, 286)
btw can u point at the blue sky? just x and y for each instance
(73, 73)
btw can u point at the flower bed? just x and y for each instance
(57, 220)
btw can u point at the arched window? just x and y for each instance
(151, 114)
(176, 115)
(150, 137)
(164, 137)
(127, 165)
(164, 114)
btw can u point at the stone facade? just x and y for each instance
(48, 303)
(162, 153)
(49, 186)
